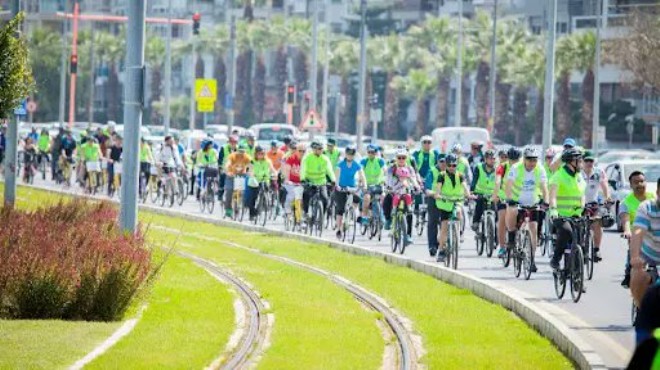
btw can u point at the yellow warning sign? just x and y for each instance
(206, 93)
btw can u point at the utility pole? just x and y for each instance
(63, 67)
(11, 160)
(459, 66)
(596, 105)
(338, 100)
(232, 75)
(362, 74)
(168, 70)
(92, 61)
(493, 72)
(313, 79)
(326, 70)
(74, 65)
(549, 88)
(193, 74)
(133, 109)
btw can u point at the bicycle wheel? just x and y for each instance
(462, 220)
(491, 237)
(527, 254)
(331, 221)
(262, 211)
(590, 255)
(202, 202)
(449, 251)
(181, 191)
(352, 226)
(154, 192)
(210, 197)
(576, 269)
(394, 237)
(419, 223)
(454, 251)
(241, 208)
(559, 278)
(480, 237)
(506, 260)
(403, 231)
(236, 205)
(319, 217)
(545, 238)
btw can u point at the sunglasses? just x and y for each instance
(371, 151)
(401, 158)
(589, 160)
(532, 159)
(301, 151)
(451, 165)
(426, 142)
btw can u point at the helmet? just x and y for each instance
(287, 139)
(249, 134)
(350, 149)
(490, 153)
(316, 145)
(372, 148)
(569, 142)
(550, 153)
(242, 148)
(588, 154)
(570, 154)
(402, 153)
(502, 152)
(531, 152)
(332, 141)
(451, 159)
(204, 143)
(426, 138)
(273, 143)
(513, 153)
(607, 220)
(477, 144)
(457, 148)
(258, 149)
(233, 139)
(442, 158)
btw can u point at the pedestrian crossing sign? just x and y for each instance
(206, 93)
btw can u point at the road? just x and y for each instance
(601, 317)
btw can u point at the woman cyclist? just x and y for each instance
(401, 179)
(263, 172)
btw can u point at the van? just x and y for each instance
(445, 138)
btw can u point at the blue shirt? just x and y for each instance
(347, 174)
(34, 136)
(648, 218)
(424, 167)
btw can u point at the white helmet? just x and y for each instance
(550, 152)
(457, 148)
(426, 138)
(531, 152)
(401, 153)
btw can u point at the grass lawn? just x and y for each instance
(48, 344)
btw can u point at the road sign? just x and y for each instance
(312, 121)
(21, 110)
(31, 106)
(206, 93)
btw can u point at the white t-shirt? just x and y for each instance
(593, 184)
(528, 193)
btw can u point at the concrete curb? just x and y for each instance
(566, 339)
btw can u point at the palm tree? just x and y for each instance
(480, 40)
(300, 31)
(216, 43)
(280, 36)
(584, 53)
(260, 40)
(565, 64)
(417, 84)
(45, 53)
(113, 49)
(344, 54)
(155, 57)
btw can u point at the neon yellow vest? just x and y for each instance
(451, 193)
(570, 190)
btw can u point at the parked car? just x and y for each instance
(612, 156)
(266, 132)
(618, 173)
(445, 137)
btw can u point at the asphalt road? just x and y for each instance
(601, 317)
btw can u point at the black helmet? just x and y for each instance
(287, 139)
(350, 149)
(514, 153)
(490, 153)
(451, 159)
(258, 149)
(316, 145)
(571, 154)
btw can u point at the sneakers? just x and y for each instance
(388, 224)
(338, 234)
(597, 256)
(626, 281)
(229, 213)
(408, 240)
(533, 268)
(433, 251)
(501, 253)
(441, 256)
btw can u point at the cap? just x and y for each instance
(570, 142)
(589, 155)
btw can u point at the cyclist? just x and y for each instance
(450, 186)
(628, 211)
(33, 135)
(29, 158)
(502, 157)
(476, 155)
(146, 160)
(169, 159)
(596, 180)
(91, 155)
(236, 165)
(483, 185)
(425, 159)
(291, 175)
(275, 155)
(346, 173)
(569, 143)
(316, 170)
(567, 189)
(433, 211)
(114, 161)
(463, 167)
(549, 158)
(401, 179)
(644, 249)
(527, 183)
(499, 196)
(262, 171)
(250, 143)
(43, 145)
(207, 160)
(332, 152)
(223, 156)
(374, 172)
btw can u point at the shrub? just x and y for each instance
(69, 261)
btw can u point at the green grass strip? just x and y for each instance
(49, 344)
(459, 330)
(187, 323)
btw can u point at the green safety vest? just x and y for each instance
(43, 142)
(420, 159)
(91, 152)
(502, 194)
(450, 193)
(486, 182)
(226, 151)
(520, 178)
(632, 203)
(261, 170)
(250, 151)
(315, 169)
(548, 171)
(462, 165)
(570, 190)
(373, 172)
(209, 158)
(333, 156)
(144, 152)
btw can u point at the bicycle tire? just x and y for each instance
(527, 255)
(352, 226)
(319, 217)
(577, 273)
(559, 278)
(403, 232)
(480, 237)
(454, 259)
(154, 192)
(394, 237)
(172, 193)
(419, 226)
(210, 199)
(490, 235)
(449, 250)
(202, 202)
(182, 191)
(590, 256)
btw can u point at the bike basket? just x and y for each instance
(239, 183)
(153, 170)
(93, 166)
(298, 192)
(252, 182)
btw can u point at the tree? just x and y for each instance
(520, 73)
(112, 49)
(45, 53)
(280, 36)
(260, 39)
(417, 84)
(565, 63)
(216, 43)
(155, 58)
(479, 37)
(16, 81)
(344, 54)
(584, 54)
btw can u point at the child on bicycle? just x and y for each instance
(263, 172)
(401, 179)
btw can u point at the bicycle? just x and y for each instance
(523, 252)
(545, 239)
(592, 214)
(399, 226)
(486, 235)
(349, 219)
(293, 219)
(420, 218)
(208, 192)
(169, 187)
(64, 174)
(261, 205)
(237, 198)
(652, 271)
(376, 220)
(573, 264)
(29, 170)
(154, 184)
(453, 232)
(330, 221)
(274, 202)
(44, 164)
(316, 211)
(91, 182)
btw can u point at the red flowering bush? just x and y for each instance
(69, 261)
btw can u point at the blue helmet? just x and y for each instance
(570, 142)
(372, 148)
(205, 142)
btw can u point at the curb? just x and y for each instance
(569, 342)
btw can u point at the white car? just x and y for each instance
(618, 173)
(266, 132)
(612, 156)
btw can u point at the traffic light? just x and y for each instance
(74, 64)
(196, 18)
(291, 94)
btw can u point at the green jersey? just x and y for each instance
(316, 169)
